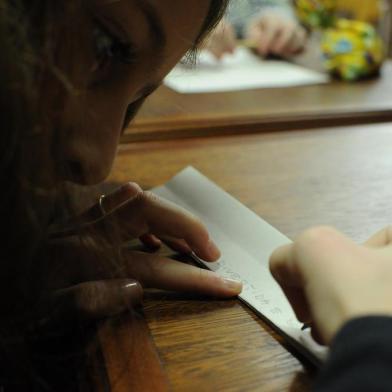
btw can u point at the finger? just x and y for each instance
(222, 46)
(230, 41)
(267, 41)
(100, 299)
(90, 301)
(120, 196)
(283, 269)
(151, 241)
(216, 51)
(295, 45)
(167, 274)
(282, 40)
(299, 41)
(222, 40)
(137, 213)
(219, 51)
(262, 33)
(380, 239)
(177, 245)
(112, 201)
(148, 213)
(299, 303)
(269, 30)
(214, 46)
(105, 205)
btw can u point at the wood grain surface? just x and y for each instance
(170, 115)
(132, 362)
(296, 179)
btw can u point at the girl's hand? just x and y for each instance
(95, 289)
(329, 279)
(222, 40)
(277, 34)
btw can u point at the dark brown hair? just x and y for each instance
(32, 90)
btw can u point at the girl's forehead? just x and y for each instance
(158, 15)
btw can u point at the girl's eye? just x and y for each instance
(110, 50)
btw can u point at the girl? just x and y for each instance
(73, 75)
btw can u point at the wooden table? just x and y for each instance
(170, 115)
(296, 179)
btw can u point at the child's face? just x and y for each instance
(124, 49)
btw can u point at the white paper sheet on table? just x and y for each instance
(241, 71)
(246, 242)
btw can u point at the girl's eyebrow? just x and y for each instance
(155, 24)
(157, 30)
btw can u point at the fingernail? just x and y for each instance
(233, 285)
(133, 293)
(213, 250)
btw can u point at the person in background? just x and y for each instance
(269, 26)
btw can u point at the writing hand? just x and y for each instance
(329, 279)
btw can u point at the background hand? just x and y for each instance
(222, 40)
(276, 34)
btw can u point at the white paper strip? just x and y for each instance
(246, 242)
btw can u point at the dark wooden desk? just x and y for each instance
(170, 115)
(296, 179)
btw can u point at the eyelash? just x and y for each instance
(110, 50)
